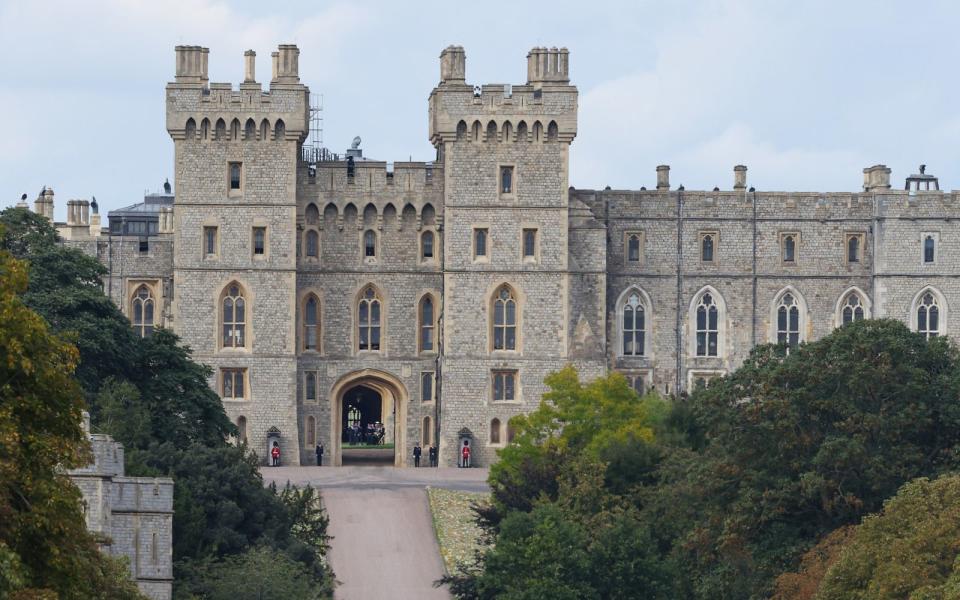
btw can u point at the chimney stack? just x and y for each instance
(548, 65)
(453, 65)
(192, 64)
(663, 177)
(249, 66)
(287, 64)
(740, 177)
(43, 205)
(876, 178)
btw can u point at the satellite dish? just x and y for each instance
(356, 143)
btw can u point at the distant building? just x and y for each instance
(132, 515)
(327, 291)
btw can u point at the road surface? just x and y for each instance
(383, 546)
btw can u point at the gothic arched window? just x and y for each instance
(311, 323)
(788, 321)
(426, 314)
(142, 305)
(708, 332)
(369, 320)
(504, 319)
(852, 309)
(234, 317)
(928, 315)
(633, 333)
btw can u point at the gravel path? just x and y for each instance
(383, 542)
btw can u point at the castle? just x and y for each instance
(434, 297)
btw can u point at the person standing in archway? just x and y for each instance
(432, 452)
(319, 454)
(275, 454)
(465, 454)
(417, 451)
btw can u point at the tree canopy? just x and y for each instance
(728, 489)
(45, 549)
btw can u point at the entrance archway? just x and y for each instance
(365, 402)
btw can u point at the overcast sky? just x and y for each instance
(805, 94)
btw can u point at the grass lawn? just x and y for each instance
(453, 522)
(366, 447)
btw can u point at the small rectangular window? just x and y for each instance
(709, 245)
(929, 248)
(789, 247)
(529, 243)
(426, 245)
(633, 247)
(233, 384)
(210, 241)
(854, 247)
(480, 243)
(310, 386)
(234, 176)
(504, 386)
(259, 240)
(426, 386)
(144, 245)
(506, 180)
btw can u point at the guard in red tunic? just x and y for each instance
(275, 454)
(465, 453)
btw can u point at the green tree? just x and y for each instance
(65, 288)
(44, 544)
(799, 444)
(910, 550)
(259, 573)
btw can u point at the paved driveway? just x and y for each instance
(383, 541)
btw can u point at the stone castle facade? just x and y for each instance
(446, 291)
(132, 516)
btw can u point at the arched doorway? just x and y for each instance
(369, 406)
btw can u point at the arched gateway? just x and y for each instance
(368, 396)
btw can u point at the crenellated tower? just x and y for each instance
(234, 222)
(505, 152)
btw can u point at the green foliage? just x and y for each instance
(801, 444)
(910, 550)
(599, 420)
(152, 397)
(45, 548)
(257, 574)
(718, 495)
(563, 528)
(66, 289)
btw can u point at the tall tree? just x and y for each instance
(44, 543)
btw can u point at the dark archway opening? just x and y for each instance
(363, 428)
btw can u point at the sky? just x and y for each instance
(805, 93)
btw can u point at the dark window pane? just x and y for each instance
(701, 343)
(480, 243)
(794, 319)
(782, 319)
(498, 387)
(713, 318)
(374, 338)
(511, 312)
(498, 338)
(701, 318)
(428, 245)
(508, 381)
(375, 312)
(364, 312)
(712, 349)
(928, 247)
(238, 383)
(633, 249)
(922, 319)
(498, 310)
(227, 384)
(511, 338)
(529, 242)
(934, 318)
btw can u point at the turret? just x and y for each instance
(876, 178)
(543, 109)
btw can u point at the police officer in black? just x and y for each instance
(416, 455)
(319, 455)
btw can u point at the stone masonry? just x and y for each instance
(132, 516)
(485, 269)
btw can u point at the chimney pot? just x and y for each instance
(663, 177)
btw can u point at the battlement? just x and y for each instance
(544, 109)
(877, 201)
(198, 109)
